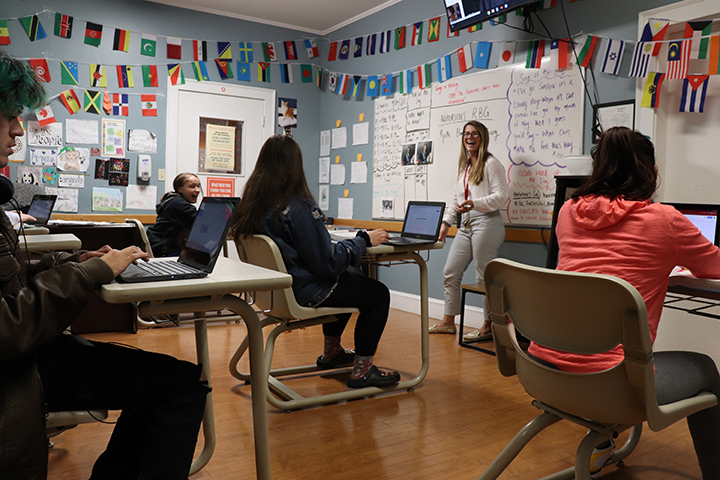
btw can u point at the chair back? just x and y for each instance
(143, 235)
(584, 314)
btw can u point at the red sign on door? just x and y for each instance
(220, 187)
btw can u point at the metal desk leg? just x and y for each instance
(208, 423)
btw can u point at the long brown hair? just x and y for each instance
(278, 177)
(623, 166)
(477, 172)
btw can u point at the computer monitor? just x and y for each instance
(703, 216)
(465, 13)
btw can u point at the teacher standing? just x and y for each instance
(481, 191)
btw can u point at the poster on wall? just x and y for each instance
(220, 146)
(106, 199)
(113, 137)
(220, 187)
(81, 131)
(45, 136)
(141, 197)
(72, 159)
(287, 112)
(67, 199)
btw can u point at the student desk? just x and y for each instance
(32, 230)
(47, 243)
(206, 294)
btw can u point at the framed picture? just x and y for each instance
(614, 114)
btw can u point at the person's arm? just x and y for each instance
(181, 212)
(497, 186)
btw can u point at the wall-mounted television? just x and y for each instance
(465, 13)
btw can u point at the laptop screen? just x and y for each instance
(41, 207)
(423, 218)
(704, 217)
(208, 232)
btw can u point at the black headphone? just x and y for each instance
(7, 189)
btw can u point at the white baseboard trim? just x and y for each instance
(407, 302)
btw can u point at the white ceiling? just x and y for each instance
(318, 17)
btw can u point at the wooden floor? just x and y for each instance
(451, 427)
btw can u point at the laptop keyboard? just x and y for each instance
(165, 268)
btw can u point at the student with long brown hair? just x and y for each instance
(277, 202)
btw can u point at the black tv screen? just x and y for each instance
(465, 13)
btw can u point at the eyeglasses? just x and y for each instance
(471, 134)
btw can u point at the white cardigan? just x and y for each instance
(490, 195)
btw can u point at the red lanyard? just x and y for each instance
(465, 181)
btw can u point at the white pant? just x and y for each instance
(480, 242)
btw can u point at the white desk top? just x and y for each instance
(46, 243)
(382, 249)
(229, 276)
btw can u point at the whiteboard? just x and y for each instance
(535, 119)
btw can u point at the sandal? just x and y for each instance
(344, 358)
(450, 329)
(375, 378)
(476, 336)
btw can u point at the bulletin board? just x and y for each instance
(535, 119)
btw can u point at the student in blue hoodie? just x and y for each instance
(176, 213)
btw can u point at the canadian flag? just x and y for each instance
(45, 116)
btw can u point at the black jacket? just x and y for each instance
(175, 217)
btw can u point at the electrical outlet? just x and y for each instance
(161, 174)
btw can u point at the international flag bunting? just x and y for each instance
(714, 55)
(97, 76)
(107, 103)
(507, 54)
(587, 50)
(150, 75)
(177, 77)
(655, 31)
(93, 101)
(93, 34)
(286, 75)
(678, 59)
(333, 82)
(224, 51)
(370, 43)
(269, 51)
(424, 75)
(224, 69)
(386, 84)
(45, 116)
(613, 57)
(434, 29)
(344, 50)
(400, 38)
(311, 48)
(465, 58)
(243, 72)
(121, 42)
(63, 25)
(450, 33)
(246, 52)
(263, 72)
(699, 32)
(355, 91)
(319, 76)
(290, 50)
(70, 100)
(651, 89)
(174, 48)
(417, 34)
(33, 28)
(559, 54)
(120, 105)
(148, 44)
(4, 33)
(40, 66)
(332, 53)
(372, 86)
(200, 71)
(385, 41)
(547, 4)
(693, 94)
(444, 68)
(306, 73)
(357, 52)
(342, 84)
(536, 50)
(475, 28)
(641, 59)
(149, 105)
(497, 20)
(482, 54)
(406, 83)
(69, 73)
(200, 50)
(125, 76)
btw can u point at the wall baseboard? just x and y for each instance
(407, 302)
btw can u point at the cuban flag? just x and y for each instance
(693, 94)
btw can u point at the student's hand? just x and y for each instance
(24, 217)
(119, 260)
(378, 236)
(465, 206)
(444, 228)
(95, 253)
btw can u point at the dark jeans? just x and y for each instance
(373, 300)
(681, 375)
(161, 398)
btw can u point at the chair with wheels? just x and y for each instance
(58, 422)
(585, 314)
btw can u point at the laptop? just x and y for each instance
(202, 249)
(704, 216)
(41, 207)
(421, 225)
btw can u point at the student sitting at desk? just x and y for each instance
(277, 202)
(175, 216)
(611, 226)
(162, 399)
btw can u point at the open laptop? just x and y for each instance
(40, 208)
(202, 249)
(421, 225)
(704, 216)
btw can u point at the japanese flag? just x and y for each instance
(507, 54)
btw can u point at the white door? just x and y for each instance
(189, 103)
